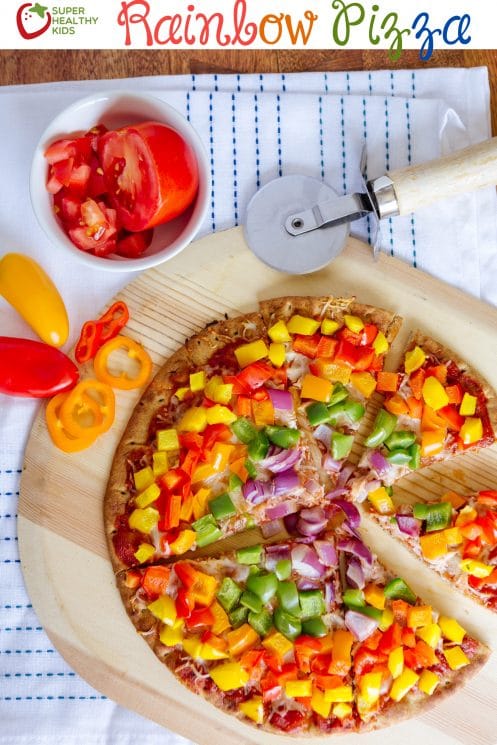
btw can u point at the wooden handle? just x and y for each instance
(463, 171)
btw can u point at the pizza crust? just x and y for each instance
(216, 336)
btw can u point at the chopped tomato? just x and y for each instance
(98, 233)
(78, 182)
(62, 171)
(151, 173)
(132, 245)
(60, 150)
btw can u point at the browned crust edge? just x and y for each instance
(214, 337)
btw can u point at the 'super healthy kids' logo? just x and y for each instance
(33, 20)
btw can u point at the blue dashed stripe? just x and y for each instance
(53, 698)
(325, 80)
(283, 82)
(278, 126)
(11, 470)
(18, 605)
(27, 651)
(365, 133)
(347, 78)
(238, 79)
(194, 83)
(257, 143)
(39, 675)
(387, 166)
(21, 628)
(392, 84)
(261, 83)
(235, 174)
(211, 152)
(10, 561)
(9, 493)
(8, 515)
(344, 152)
(188, 105)
(321, 136)
(9, 538)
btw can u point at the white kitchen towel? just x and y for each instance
(254, 127)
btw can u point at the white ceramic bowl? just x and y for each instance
(117, 109)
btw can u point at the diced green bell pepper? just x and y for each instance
(249, 554)
(314, 627)
(286, 624)
(401, 439)
(338, 394)
(348, 408)
(283, 569)
(258, 447)
(368, 610)
(354, 598)
(251, 469)
(317, 413)
(244, 430)
(397, 589)
(261, 621)
(207, 531)
(229, 594)
(415, 451)
(311, 603)
(222, 507)
(399, 457)
(251, 601)
(438, 516)
(384, 425)
(288, 597)
(234, 482)
(238, 616)
(283, 437)
(263, 585)
(341, 445)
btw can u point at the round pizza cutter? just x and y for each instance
(297, 224)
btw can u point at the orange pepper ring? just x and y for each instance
(79, 399)
(135, 352)
(59, 436)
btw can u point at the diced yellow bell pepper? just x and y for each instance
(433, 545)
(374, 596)
(298, 688)
(181, 393)
(167, 439)
(453, 536)
(204, 588)
(319, 703)
(210, 652)
(428, 682)
(387, 618)
(467, 515)
(263, 412)
(200, 502)
(342, 710)
(143, 478)
(164, 609)
(434, 393)
(414, 360)
(456, 658)
(211, 387)
(144, 520)
(353, 323)
(183, 543)
(277, 644)
(335, 371)
(471, 431)
(229, 676)
(253, 709)
(380, 344)
(220, 456)
(419, 616)
(396, 662)
(221, 620)
(193, 420)
(451, 629)
(430, 634)
(340, 694)
(193, 646)
(318, 389)
(160, 463)
(202, 472)
(303, 325)
(241, 639)
(381, 501)
(476, 568)
(144, 553)
(219, 414)
(197, 381)
(148, 496)
(328, 326)
(172, 635)
(277, 354)
(369, 686)
(468, 405)
(251, 352)
(279, 333)
(364, 382)
(403, 684)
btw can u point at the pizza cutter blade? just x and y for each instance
(297, 224)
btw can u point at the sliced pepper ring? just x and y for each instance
(59, 435)
(122, 380)
(80, 401)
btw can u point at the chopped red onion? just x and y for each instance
(361, 626)
(285, 482)
(310, 530)
(323, 434)
(281, 510)
(276, 553)
(336, 493)
(357, 548)
(351, 512)
(355, 574)
(326, 552)
(372, 485)
(331, 465)
(271, 528)
(291, 522)
(313, 515)
(329, 594)
(305, 561)
(280, 460)
(378, 462)
(308, 584)
(409, 525)
(257, 492)
(312, 486)
(281, 399)
(346, 472)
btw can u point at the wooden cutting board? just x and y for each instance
(61, 537)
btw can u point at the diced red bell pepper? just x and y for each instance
(471, 549)
(451, 415)
(155, 580)
(251, 658)
(186, 573)
(347, 352)
(408, 637)
(184, 603)
(255, 375)
(289, 671)
(365, 359)
(345, 334)
(174, 479)
(200, 617)
(216, 433)
(271, 689)
(477, 583)
(272, 661)
(326, 682)
(239, 387)
(368, 334)
(327, 347)
(373, 641)
(488, 527)
(365, 659)
(488, 497)
(421, 656)
(190, 461)
(260, 394)
(391, 639)
(191, 441)
(321, 664)
(306, 647)
(307, 345)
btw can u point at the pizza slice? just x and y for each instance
(456, 535)
(311, 636)
(434, 407)
(335, 350)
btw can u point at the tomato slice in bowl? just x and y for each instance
(97, 233)
(151, 174)
(132, 245)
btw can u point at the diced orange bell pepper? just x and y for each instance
(415, 406)
(433, 545)
(375, 596)
(454, 498)
(416, 381)
(387, 382)
(396, 405)
(431, 420)
(432, 443)
(307, 345)
(400, 609)
(419, 615)
(263, 412)
(326, 347)
(334, 371)
(439, 372)
(318, 389)
(221, 620)
(454, 393)
(241, 639)
(244, 406)
(155, 580)
(340, 654)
